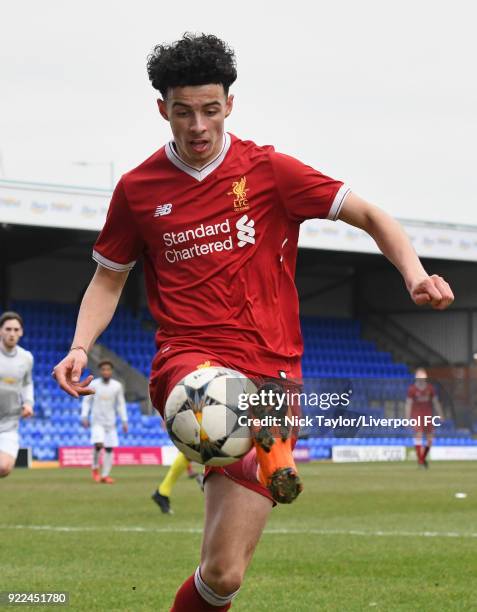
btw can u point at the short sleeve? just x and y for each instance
(305, 192)
(410, 392)
(119, 244)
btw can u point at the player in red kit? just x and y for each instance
(422, 404)
(216, 221)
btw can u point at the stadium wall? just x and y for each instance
(452, 333)
(50, 279)
(336, 302)
(384, 288)
(447, 333)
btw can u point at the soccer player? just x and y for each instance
(422, 403)
(162, 495)
(216, 221)
(16, 388)
(108, 399)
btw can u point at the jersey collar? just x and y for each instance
(12, 353)
(201, 174)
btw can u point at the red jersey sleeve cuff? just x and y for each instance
(338, 202)
(112, 265)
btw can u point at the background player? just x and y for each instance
(217, 221)
(162, 495)
(16, 388)
(108, 399)
(422, 404)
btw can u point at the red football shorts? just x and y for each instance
(424, 421)
(171, 366)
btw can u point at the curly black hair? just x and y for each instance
(195, 59)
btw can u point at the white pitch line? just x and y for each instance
(272, 531)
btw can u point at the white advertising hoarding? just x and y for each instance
(434, 240)
(353, 454)
(454, 453)
(53, 205)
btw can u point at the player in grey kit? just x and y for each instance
(16, 388)
(103, 405)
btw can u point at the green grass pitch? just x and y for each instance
(384, 537)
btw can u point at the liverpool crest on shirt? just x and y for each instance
(239, 191)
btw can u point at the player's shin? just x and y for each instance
(425, 451)
(177, 468)
(418, 448)
(96, 455)
(107, 463)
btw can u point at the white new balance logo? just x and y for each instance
(163, 209)
(246, 231)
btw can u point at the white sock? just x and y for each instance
(107, 463)
(208, 594)
(96, 453)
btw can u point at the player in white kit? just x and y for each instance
(16, 388)
(107, 401)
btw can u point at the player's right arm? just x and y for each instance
(409, 402)
(97, 309)
(116, 251)
(396, 246)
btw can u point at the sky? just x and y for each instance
(380, 94)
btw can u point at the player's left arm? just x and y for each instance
(27, 392)
(121, 408)
(86, 406)
(396, 246)
(436, 404)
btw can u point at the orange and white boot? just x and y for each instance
(277, 471)
(95, 474)
(107, 480)
(276, 466)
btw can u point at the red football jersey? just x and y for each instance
(422, 397)
(219, 247)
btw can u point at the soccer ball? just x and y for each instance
(202, 416)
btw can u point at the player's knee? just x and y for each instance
(98, 446)
(221, 579)
(108, 449)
